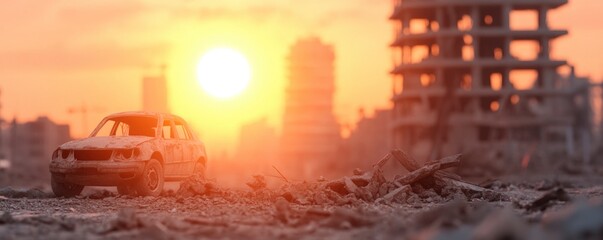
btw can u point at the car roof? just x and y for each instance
(144, 113)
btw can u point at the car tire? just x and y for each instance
(199, 170)
(65, 189)
(150, 183)
(126, 189)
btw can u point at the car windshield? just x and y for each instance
(128, 126)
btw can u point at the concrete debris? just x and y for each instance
(339, 218)
(258, 183)
(282, 211)
(99, 194)
(428, 183)
(424, 201)
(548, 199)
(127, 219)
(358, 172)
(398, 195)
(360, 206)
(371, 186)
(197, 185)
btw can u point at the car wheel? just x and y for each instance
(151, 181)
(126, 189)
(65, 189)
(199, 170)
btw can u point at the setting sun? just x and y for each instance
(223, 72)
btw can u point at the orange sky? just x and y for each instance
(60, 54)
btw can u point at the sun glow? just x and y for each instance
(223, 72)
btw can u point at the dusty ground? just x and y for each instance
(575, 212)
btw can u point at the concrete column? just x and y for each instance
(547, 78)
(542, 17)
(475, 20)
(476, 77)
(440, 17)
(506, 78)
(401, 56)
(406, 23)
(507, 48)
(506, 24)
(506, 16)
(544, 48)
(585, 142)
(439, 75)
(569, 141)
(475, 44)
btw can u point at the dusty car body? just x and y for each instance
(135, 151)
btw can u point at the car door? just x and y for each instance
(184, 138)
(172, 151)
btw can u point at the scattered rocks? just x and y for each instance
(126, 219)
(197, 185)
(425, 203)
(258, 183)
(29, 193)
(100, 194)
(548, 199)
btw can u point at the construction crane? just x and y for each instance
(84, 110)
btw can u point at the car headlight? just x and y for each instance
(128, 153)
(64, 153)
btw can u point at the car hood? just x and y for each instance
(106, 142)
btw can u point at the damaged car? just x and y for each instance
(135, 151)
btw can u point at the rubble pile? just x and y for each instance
(337, 218)
(424, 202)
(460, 220)
(197, 185)
(427, 183)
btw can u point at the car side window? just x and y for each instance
(105, 130)
(182, 133)
(167, 131)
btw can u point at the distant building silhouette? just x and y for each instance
(31, 146)
(37, 139)
(459, 85)
(154, 93)
(310, 132)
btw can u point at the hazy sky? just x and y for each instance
(55, 55)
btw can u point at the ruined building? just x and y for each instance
(470, 76)
(310, 133)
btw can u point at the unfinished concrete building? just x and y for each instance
(478, 75)
(310, 132)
